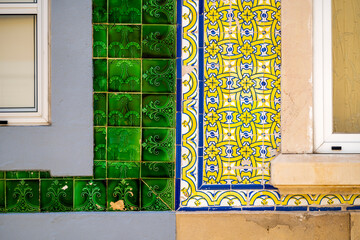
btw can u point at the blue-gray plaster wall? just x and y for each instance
(89, 226)
(65, 147)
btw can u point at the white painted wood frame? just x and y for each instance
(41, 115)
(324, 138)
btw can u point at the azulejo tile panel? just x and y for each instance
(231, 103)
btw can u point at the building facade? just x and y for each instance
(201, 126)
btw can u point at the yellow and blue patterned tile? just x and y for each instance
(231, 130)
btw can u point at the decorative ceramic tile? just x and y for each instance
(124, 41)
(231, 130)
(124, 75)
(90, 195)
(158, 110)
(159, 76)
(100, 75)
(99, 11)
(124, 109)
(22, 196)
(157, 194)
(124, 11)
(157, 169)
(100, 40)
(123, 195)
(2, 196)
(99, 170)
(159, 12)
(22, 175)
(158, 145)
(99, 143)
(159, 41)
(123, 144)
(56, 195)
(123, 169)
(100, 106)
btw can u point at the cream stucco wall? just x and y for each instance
(297, 169)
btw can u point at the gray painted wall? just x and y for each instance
(65, 147)
(89, 226)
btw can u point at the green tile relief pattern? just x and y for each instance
(134, 82)
(159, 41)
(158, 76)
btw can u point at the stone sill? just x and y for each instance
(316, 173)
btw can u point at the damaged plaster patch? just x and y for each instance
(269, 222)
(119, 205)
(187, 70)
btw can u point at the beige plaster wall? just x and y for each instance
(266, 226)
(297, 169)
(355, 226)
(296, 82)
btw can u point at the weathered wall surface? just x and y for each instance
(296, 53)
(265, 226)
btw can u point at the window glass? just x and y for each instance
(346, 66)
(17, 62)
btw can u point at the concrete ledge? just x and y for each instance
(316, 173)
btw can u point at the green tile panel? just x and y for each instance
(134, 82)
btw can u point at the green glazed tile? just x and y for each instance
(100, 41)
(158, 76)
(99, 109)
(159, 41)
(123, 144)
(123, 169)
(124, 110)
(22, 196)
(90, 195)
(157, 170)
(99, 143)
(158, 110)
(159, 11)
(157, 194)
(158, 145)
(84, 178)
(100, 75)
(2, 196)
(2, 174)
(124, 41)
(99, 11)
(123, 195)
(22, 174)
(124, 75)
(45, 175)
(99, 169)
(56, 195)
(125, 11)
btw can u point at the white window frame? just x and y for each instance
(325, 141)
(41, 114)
